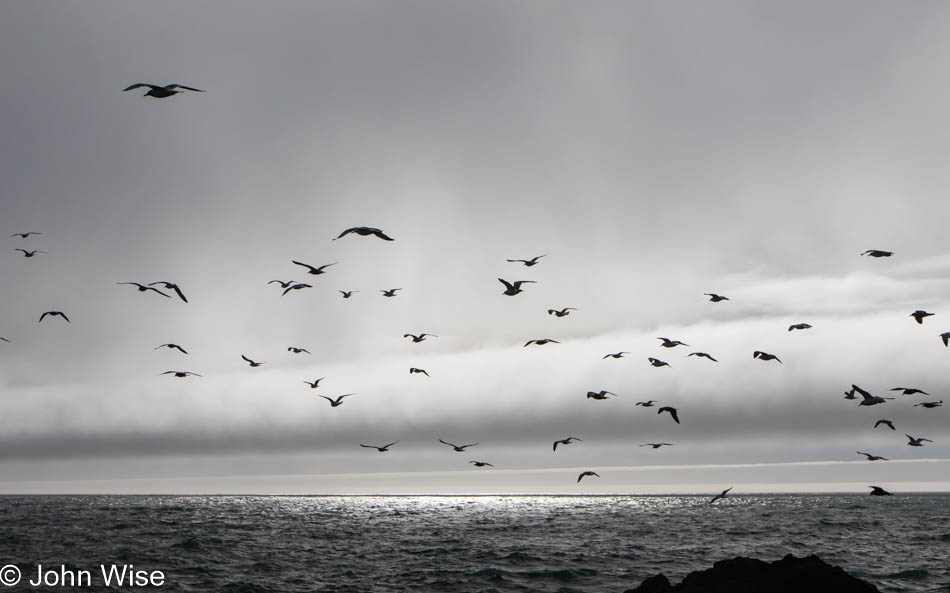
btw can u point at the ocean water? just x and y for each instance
(447, 544)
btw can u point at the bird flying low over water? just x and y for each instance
(144, 288)
(481, 463)
(297, 286)
(389, 293)
(182, 374)
(347, 293)
(29, 253)
(919, 315)
(765, 356)
(909, 390)
(658, 363)
(160, 92)
(868, 399)
(916, 442)
(527, 262)
(878, 253)
(365, 231)
(540, 342)
(587, 473)
(171, 286)
(602, 394)
(414, 370)
(54, 314)
(656, 445)
(296, 350)
(878, 491)
(561, 313)
(420, 338)
(930, 404)
(721, 494)
(458, 448)
(672, 411)
(381, 449)
(668, 343)
(316, 271)
(513, 288)
(338, 401)
(314, 384)
(887, 423)
(702, 355)
(872, 457)
(170, 346)
(614, 355)
(799, 326)
(25, 235)
(566, 441)
(251, 362)
(283, 284)
(647, 404)
(715, 298)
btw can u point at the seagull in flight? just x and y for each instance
(919, 315)
(566, 441)
(414, 370)
(909, 390)
(296, 350)
(765, 356)
(614, 355)
(420, 338)
(365, 231)
(511, 289)
(55, 314)
(144, 288)
(887, 423)
(251, 362)
(312, 270)
(799, 326)
(382, 449)
(30, 253)
(283, 284)
(25, 235)
(458, 448)
(715, 298)
(672, 412)
(160, 92)
(721, 495)
(659, 363)
(702, 355)
(527, 262)
(930, 404)
(388, 293)
(171, 286)
(540, 342)
(869, 400)
(656, 445)
(647, 404)
(170, 346)
(562, 313)
(314, 384)
(878, 253)
(587, 473)
(181, 374)
(481, 463)
(602, 394)
(668, 343)
(338, 401)
(347, 293)
(945, 336)
(849, 394)
(918, 442)
(878, 491)
(872, 457)
(297, 286)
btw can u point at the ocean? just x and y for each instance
(448, 544)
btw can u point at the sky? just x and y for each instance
(655, 152)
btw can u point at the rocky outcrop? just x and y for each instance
(748, 575)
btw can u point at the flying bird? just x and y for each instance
(527, 262)
(715, 298)
(918, 442)
(171, 286)
(382, 449)
(55, 314)
(511, 289)
(29, 253)
(668, 343)
(414, 370)
(919, 315)
(872, 457)
(566, 441)
(703, 355)
(540, 342)
(181, 374)
(602, 394)
(878, 491)
(672, 412)
(563, 312)
(338, 401)
(170, 346)
(765, 356)
(389, 293)
(721, 495)
(251, 362)
(283, 284)
(481, 463)
(799, 326)
(347, 293)
(144, 288)
(930, 404)
(296, 350)
(420, 338)
(878, 253)
(458, 448)
(869, 400)
(365, 231)
(849, 394)
(658, 363)
(160, 92)
(656, 445)
(614, 355)
(25, 235)
(945, 336)
(909, 390)
(888, 423)
(297, 286)
(647, 404)
(312, 270)
(587, 473)
(314, 384)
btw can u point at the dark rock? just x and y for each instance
(748, 575)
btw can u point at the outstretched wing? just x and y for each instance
(181, 86)
(138, 86)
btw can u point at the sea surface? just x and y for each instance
(447, 544)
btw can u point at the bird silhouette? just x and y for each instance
(171, 286)
(919, 315)
(160, 92)
(587, 473)
(314, 384)
(878, 253)
(29, 253)
(668, 343)
(799, 326)
(909, 390)
(872, 457)
(481, 463)
(614, 355)
(365, 231)
(540, 342)
(658, 363)
(566, 441)
(251, 362)
(720, 495)
(527, 262)
(849, 394)
(283, 284)
(929, 404)
(170, 346)
(647, 404)
(25, 235)
(602, 394)
(182, 374)
(673, 412)
(513, 288)
(561, 313)
(916, 442)
(297, 286)
(702, 355)
(945, 336)
(656, 445)
(878, 491)
(420, 338)
(715, 298)
(414, 370)
(887, 423)
(390, 293)
(338, 401)
(296, 350)
(765, 356)
(315, 271)
(347, 293)
(382, 449)
(458, 448)
(55, 314)
(868, 399)
(144, 288)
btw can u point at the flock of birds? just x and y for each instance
(511, 289)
